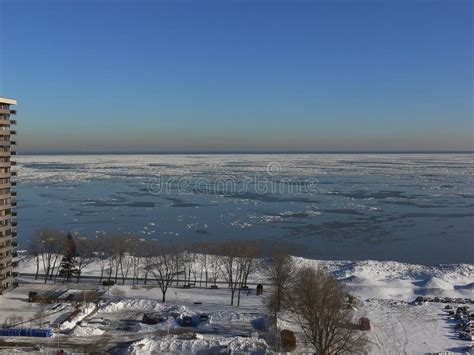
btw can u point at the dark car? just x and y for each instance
(186, 321)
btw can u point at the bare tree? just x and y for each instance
(50, 248)
(203, 258)
(122, 245)
(84, 254)
(188, 260)
(136, 252)
(236, 260)
(318, 305)
(149, 251)
(34, 252)
(279, 272)
(164, 266)
(119, 259)
(248, 253)
(214, 266)
(101, 252)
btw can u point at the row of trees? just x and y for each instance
(64, 257)
(316, 301)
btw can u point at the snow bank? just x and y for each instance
(174, 345)
(201, 344)
(395, 280)
(254, 346)
(141, 304)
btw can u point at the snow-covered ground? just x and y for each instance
(385, 288)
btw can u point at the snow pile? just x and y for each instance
(141, 304)
(85, 310)
(232, 318)
(395, 280)
(254, 346)
(201, 344)
(174, 345)
(86, 331)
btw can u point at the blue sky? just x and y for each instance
(239, 75)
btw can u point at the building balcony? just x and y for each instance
(5, 250)
(6, 263)
(5, 121)
(6, 231)
(5, 111)
(6, 235)
(14, 244)
(4, 164)
(5, 132)
(4, 191)
(5, 219)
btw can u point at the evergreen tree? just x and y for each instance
(68, 267)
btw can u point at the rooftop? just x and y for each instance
(6, 100)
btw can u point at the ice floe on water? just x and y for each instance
(382, 206)
(427, 167)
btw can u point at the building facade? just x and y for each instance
(8, 222)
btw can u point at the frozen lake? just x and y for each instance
(406, 207)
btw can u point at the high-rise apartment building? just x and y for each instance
(7, 215)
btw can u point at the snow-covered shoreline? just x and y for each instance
(385, 288)
(367, 278)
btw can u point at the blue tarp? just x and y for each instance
(26, 332)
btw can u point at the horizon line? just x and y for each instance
(243, 152)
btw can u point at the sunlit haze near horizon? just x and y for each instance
(239, 75)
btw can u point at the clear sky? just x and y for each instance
(239, 75)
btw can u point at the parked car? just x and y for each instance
(186, 321)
